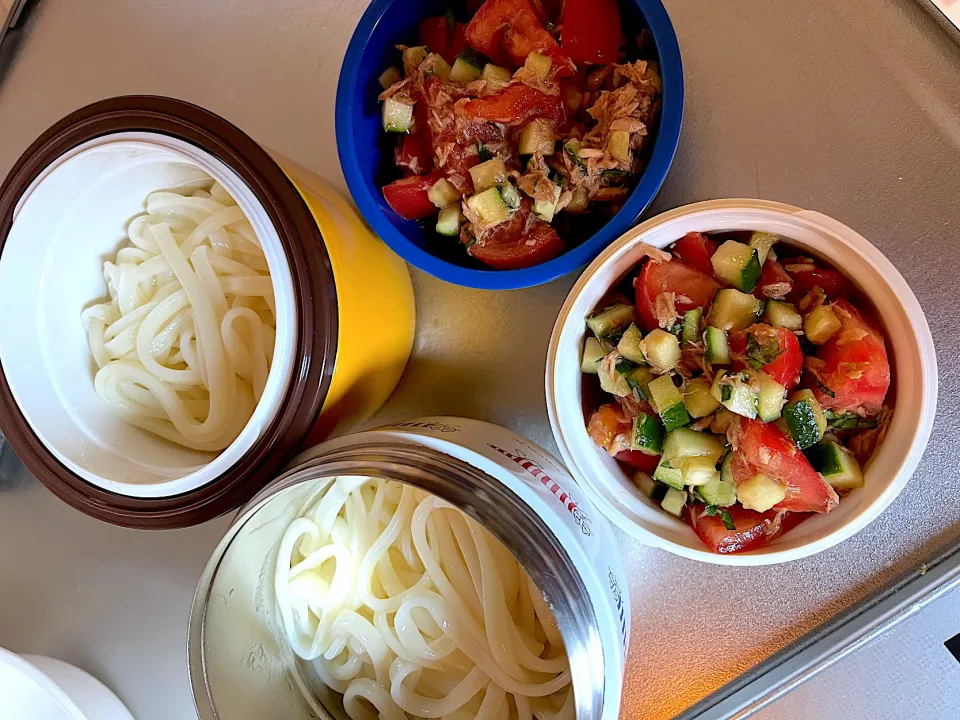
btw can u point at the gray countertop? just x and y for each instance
(849, 108)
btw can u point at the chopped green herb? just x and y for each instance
(471, 239)
(726, 392)
(451, 23)
(727, 518)
(759, 355)
(574, 155)
(615, 174)
(710, 510)
(849, 420)
(824, 389)
(483, 152)
(557, 178)
(676, 328)
(625, 366)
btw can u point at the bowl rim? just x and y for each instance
(315, 297)
(652, 179)
(907, 460)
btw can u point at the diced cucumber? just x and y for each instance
(820, 324)
(762, 242)
(720, 422)
(697, 398)
(413, 57)
(468, 66)
(722, 493)
(397, 116)
(716, 347)
(661, 349)
(684, 442)
(668, 474)
(674, 501)
(538, 64)
(737, 264)
(489, 207)
(593, 353)
(441, 68)
(734, 310)
(726, 469)
(760, 492)
(649, 487)
(611, 321)
(488, 174)
(667, 400)
(691, 325)
(546, 209)
(699, 470)
(448, 222)
(771, 396)
(580, 202)
(495, 77)
(538, 137)
(837, 465)
(782, 314)
(805, 419)
(629, 345)
(510, 195)
(733, 392)
(618, 145)
(648, 434)
(638, 379)
(391, 76)
(443, 194)
(611, 380)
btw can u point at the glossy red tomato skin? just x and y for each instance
(855, 365)
(676, 277)
(832, 282)
(788, 365)
(408, 196)
(415, 150)
(773, 274)
(507, 31)
(695, 249)
(591, 31)
(753, 529)
(639, 460)
(515, 105)
(763, 447)
(508, 247)
(445, 39)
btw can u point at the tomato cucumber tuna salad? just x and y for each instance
(748, 384)
(523, 130)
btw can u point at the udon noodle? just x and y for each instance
(185, 342)
(411, 609)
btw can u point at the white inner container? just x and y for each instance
(909, 345)
(70, 220)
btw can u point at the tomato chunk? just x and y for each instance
(408, 196)
(507, 31)
(696, 249)
(763, 447)
(518, 243)
(606, 423)
(444, 36)
(774, 281)
(853, 364)
(415, 150)
(639, 460)
(691, 287)
(806, 275)
(752, 529)
(515, 105)
(591, 31)
(762, 341)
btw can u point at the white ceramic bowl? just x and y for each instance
(909, 342)
(33, 687)
(72, 218)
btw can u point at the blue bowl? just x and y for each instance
(366, 152)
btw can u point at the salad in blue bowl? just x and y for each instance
(504, 143)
